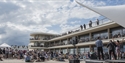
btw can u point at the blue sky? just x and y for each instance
(20, 18)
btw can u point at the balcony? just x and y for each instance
(87, 26)
(88, 41)
(37, 46)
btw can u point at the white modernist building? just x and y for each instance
(86, 37)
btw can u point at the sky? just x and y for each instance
(19, 18)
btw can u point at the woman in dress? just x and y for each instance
(118, 49)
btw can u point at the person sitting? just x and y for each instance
(28, 58)
(38, 59)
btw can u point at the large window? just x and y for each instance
(81, 50)
(102, 34)
(117, 32)
(72, 50)
(124, 48)
(87, 50)
(64, 42)
(84, 50)
(64, 51)
(84, 38)
(105, 49)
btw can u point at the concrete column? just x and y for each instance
(109, 35)
(54, 42)
(77, 50)
(90, 35)
(67, 49)
(67, 41)
(59, 41)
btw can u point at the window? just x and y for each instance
(64, 51)
(124, 48)
(71, 51)
(102, 34)
(81, 50)
(87, 50)
(105, 49)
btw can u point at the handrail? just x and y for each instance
(102, 21)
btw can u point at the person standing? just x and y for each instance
(97, 21)
(99, 45)
(90, 23)
(1, 52)
(6, 52)
(84, 26)
(119, 48)
(81, 27)
(111, 45)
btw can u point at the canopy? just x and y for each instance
(4, 45)
(114, 13)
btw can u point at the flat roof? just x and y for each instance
(41, 33)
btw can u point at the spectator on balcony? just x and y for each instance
(81, 27)
(97, 21)
(84, 26)
(90, 23)
(119, 35)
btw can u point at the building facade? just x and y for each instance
(86, 39)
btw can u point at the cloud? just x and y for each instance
(20, 18)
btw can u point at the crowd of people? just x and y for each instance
(115, 52)
(115, 49)
(90, 24)
(30, 56)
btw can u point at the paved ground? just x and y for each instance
(22, 61)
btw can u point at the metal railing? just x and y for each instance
(77, 29)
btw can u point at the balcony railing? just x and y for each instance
(117, 35)
(77, 29)
(37, 46)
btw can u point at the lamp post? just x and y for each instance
(74, 42)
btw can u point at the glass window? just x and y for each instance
(87, 50)
(57, 50)
(105, 49)
(84, 38)
(81, 50)
(117, 32)
(101, 34)
(64, 51)
(71, 51)
(95, 49)
(124, 48)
